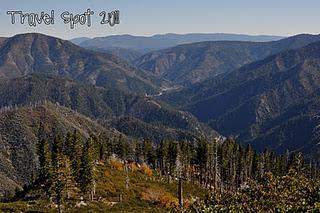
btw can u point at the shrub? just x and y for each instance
(293, 192)
(133, 167)
(116, 165)
(146, 170)
(168, 200)
(153, 194)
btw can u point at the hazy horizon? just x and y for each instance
(145, 17)
(151, 35)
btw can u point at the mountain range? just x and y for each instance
(262, 93)
(192, 63)
(111, 107)
(91, 92)
(144, 44)
(271, 103)
(35, 53)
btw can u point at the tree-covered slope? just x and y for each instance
(20, 129)
(132, 114)
(192, 63)
(270, 103)
(25, 54)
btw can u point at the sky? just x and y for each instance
(149, 17)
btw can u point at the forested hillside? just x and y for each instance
(20, 129)
(132, 114)
(70, 169)
(193, 63)
(215, 126)
(271, 103)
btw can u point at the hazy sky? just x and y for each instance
(148, 17)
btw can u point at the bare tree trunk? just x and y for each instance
(180, 194)
(216, 167)
(94, 187)
(127, 176)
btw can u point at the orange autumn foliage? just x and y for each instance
(168, 200)
(116, 165)
(133, 167)
(152, 194)
(146, 170)
(159, 196)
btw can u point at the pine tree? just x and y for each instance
(86, 178)
(172, 157)
(202, 156)
(162, 155)
(45, 174)
(186, 157)
(139, 152)
(149, 153)
(255, 165)
(59, 176)
(68, 145)
(70, 183)
(248, 163)
(102, 147)
(95, 147)
(75, 157)
(123, 150)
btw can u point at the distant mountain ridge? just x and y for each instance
(126, 54)
(36, 53)
(145, 44)
(79, 40)
(192, 63)
(272, 103)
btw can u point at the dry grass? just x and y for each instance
(142, 195)
(168, 200)
(158, 195)
(153, 194)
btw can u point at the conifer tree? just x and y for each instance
(202, 157)
(102, 147)
(70, 183)
(59, 176)
(149, 153)
(45, 174)
(139, 152)
(68, 145)
(162, 155)
(172, 157)
(75, 157)
(95, 147)
(86, 176)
